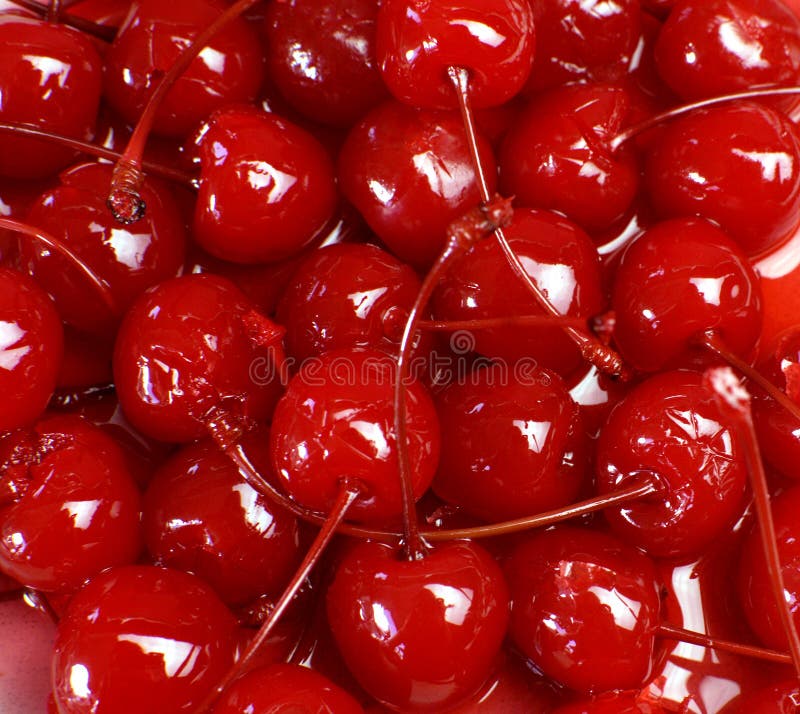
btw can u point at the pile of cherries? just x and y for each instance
(403, 355)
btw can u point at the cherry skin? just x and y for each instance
(410, 175)
(749, 183)
(128, 260)
(584, 608)
(712, 47)
(31, 349)
(421, 634)
(75, 510)
(347, 295)
(201, 517)
(780, 698)
(675, 281)
(336, 422)
(228, 71)
(511, 445)
(184, 348)
(321, 55)
(139, 635)
(670, 426)
(286, 687)
(622, 703)
(51, 79)
(266, 187)
(563, 262)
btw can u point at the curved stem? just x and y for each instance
(100, 285)
(488, 323)
(101, 32)
(670, 632)
(734, 401)
(347, 496)
(124, 200)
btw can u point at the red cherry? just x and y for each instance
(671, 427)
(201, 517)
(584, 608)
(562, 261)
(335, 423)
(418, 634)
(229, 70)
(780, 698)
(51, 79)
(410, 174)
(31, 348)
(285, 687)
(77, 509)
(748, 181)
(712, 47)
(557, 155)
(677, 280)
(511, 445)
(187, 346)
(266, 187)
(139, 637)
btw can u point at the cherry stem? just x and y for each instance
(657, 119)
(124, 200)
(489, 323)
(592, 350)
(100, 152)
(100, 285)
(711, 341)
(670, 632)
(734, 401)
(348, 494)
(54, 11)
(101, 32)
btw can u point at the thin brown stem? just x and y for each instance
(101, 32)
(671, 632)
(488, 323)
(54, 11)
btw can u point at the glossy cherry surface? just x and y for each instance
(512, 445)
(266, 187)
(51, 79)
(749, 183)
(418, 634)
(409, 173)
(229, 70)
(562, 260)
(335, 423)
(187, 346)
(670, 426)
(139, 635)
(31, 348)
(674, 282)
(584, 608)
(70, 505)
(201, 517)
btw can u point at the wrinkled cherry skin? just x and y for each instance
(267, 187)
(674, 282)
(418, 40)
(128, 259)
(77, 511)
(671, 427)
(584, 608)
(228, 71)
(562, 260)
(186, 347)
(422, 634)
(712, 47)
(336, 422)
(283, 688)
(510, 448)
(409, 173)
(31, 349)
(735, 164)
(347, 295)
(138, 637)
(321, 55)
(576, 40)
(51, 79)
(556, 155)
(201, 517)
